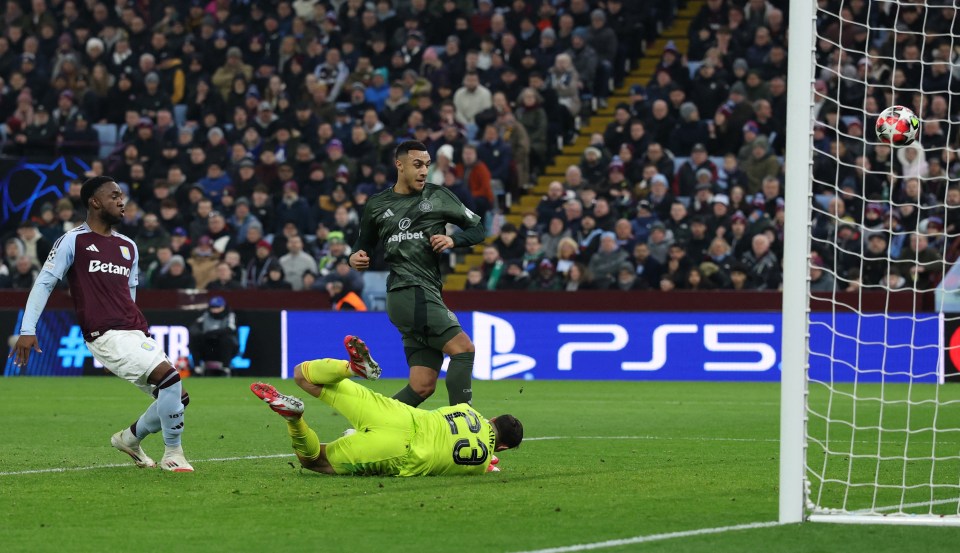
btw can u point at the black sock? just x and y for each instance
(459, 387)
(408, 396)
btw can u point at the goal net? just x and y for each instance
(871, 421)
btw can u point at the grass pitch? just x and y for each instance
(602, 461)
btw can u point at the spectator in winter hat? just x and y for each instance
(616, 164)
(293, 208)
(739, 69)
(759, 164)
(704, 179)
(934, 225)
(343, 175)
(443, 162)
(738, 237)
(203, 262)
(606, 262)
(687, 175)
(617, 186)
(687, 110)
(176, 277)
(224, 76)
(545, 277)
(660, 196)
(750, 131)
(855, 128)
(659, 241)
(719, 213)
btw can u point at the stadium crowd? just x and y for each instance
(684, 189)
(249, 136)
(885, 216)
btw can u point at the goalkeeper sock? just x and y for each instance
(170, 408)
(326, 371)
(305, 440)
(408, 396)
(459, 387)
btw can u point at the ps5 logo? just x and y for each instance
(710, 347)
(659, 345)
(494, 340)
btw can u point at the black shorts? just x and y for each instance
(425, 323)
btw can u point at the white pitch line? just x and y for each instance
(253, 457)
(119, 465)
(654, 537)
(534, 439)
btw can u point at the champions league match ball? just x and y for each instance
(898, 126)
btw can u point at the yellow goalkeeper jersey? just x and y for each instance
(449, 440)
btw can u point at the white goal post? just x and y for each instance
(868, 432)
(797, 186)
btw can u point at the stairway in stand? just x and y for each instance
(597, 123)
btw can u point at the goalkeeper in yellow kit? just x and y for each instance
(391, 438)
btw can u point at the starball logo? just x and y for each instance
(110, 268)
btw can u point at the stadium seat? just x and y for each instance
(375, 290)
(497, 186)
(823, 202)
(678, 163)
(107, 133)
(180, 114)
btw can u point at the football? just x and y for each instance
(898, 125)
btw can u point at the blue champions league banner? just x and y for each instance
(26, 185)
(643, 346)
(65, 353)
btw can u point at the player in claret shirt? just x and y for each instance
(101, 267)
(391, 438)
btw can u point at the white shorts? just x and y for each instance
(129, 354)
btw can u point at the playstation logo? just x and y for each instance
(494, 340)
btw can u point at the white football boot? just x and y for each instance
(126, 442)
(174, 461)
